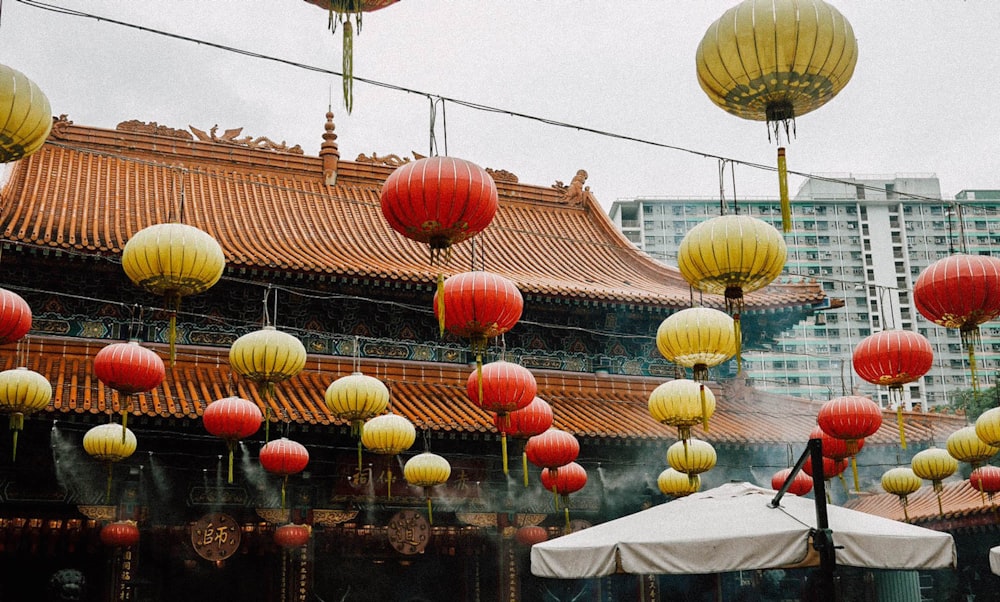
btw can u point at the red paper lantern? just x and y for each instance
(15, 317)
(985, 479)
(530, 535)
(565, 480)
(850, 418)
(120, 534)
(284, 457)
(129, 368)
(552, 449)
(960, 291)
(292, 536)
(834, 448)
(831, 467)
(439, 201)
(533, 419)
(478, 306)
(232, 419)
(501, 387)
(801, 484)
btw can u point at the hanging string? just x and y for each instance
(437, 101)
(266, 315)
(732, 173)
(722, 187)
(356, 359)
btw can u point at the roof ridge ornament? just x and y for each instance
(231, 137)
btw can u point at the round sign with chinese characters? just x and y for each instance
(215, 536)
(409, 532)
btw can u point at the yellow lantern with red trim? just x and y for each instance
(388, 435)
(901, 482)
(698, 338)
(427, 470)
(935, 465)
(266, 357)
(682, 403)
(22, 392)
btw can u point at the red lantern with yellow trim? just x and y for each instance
(552, 449)
(801, 484)
(15, 317)
(986, 479)
(529, 535)
(501, 387)
(478, 306)
(893, 358)
(120, 534)
(850, 418)
(533, 419)
(960, 291)
(232, 419)
(284, 457)
(292, 536)
(563, 481)
(129, 368)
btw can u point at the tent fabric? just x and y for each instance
(733, 527)
(995, 560)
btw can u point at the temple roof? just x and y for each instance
(604, 408)
(270, 207)
(962, 506)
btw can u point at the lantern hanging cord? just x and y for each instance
(437, 101)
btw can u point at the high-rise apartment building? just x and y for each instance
(866, 239)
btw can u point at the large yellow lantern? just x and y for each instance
(357, 397)
(677, 484)
(732, 255)
(901, 482)
(173, 261)
(106, 444)
(388, 435)
(427, 470)
(698, 338)
(988, 427)
(682, 403)
(22, 392)
(775, 60)
(965, 446)
(692, 457)
(25, 115)
(266, 357)
(935, 465)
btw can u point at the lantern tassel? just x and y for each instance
(107, 492)
(284, 486)
(230, 445)
(843, 482)
(972, 361)
(125, 418)
(738, 331)
(704, 409)
(348, 65)
(854, 471)
(899, 422)
(937, 490)
(906, 512)
(430, 513)
(359, 459)
(503, 451)
(555, 495)
(439, 299)
(16, 424)
(567, 519)
(786, 206)
(388, 484)
(173, 301)
(524, 468)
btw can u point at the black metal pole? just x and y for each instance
(822, 535)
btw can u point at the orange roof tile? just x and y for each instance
(433, 396)
(90, 189)
(962, 505)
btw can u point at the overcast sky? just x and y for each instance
(924, 99)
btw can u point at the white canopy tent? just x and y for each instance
(734, 527)
(995, 560)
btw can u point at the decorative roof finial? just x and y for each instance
(329, 151)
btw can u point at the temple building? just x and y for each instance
(309, 253)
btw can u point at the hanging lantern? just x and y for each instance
(831, 468)
(893, 358)
(120, 534)
(698, 338)
(692, 459)
(533, 419)
(439, 201)
(682, 403)
(22, 392)
(834, 448)
(267, 357)
(173, 260)
(427, 470)
(965, 446)
(341, 12)
(960, 291)
(232, 419)
(15, 314)
(501, 387)
(292, 536)
(388, 435)
(677, 484)
(775, 61)
(901, 482)
(529, 535)
(935, 465)
(129, 368)
(552, 449)
(732, 255)
(357, 398)
(988, 427)
(850, 418)
(478, 306)
(986, 480)
(105, 444)
(563, 481)
(801, 484)
(26, 116)
(284, 457)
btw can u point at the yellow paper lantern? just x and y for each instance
(357, 397)
(988, 427)
(698, 338)
(173, 260)
(692, 457)
(266, 357)
(901, 482)
(677, 484)
(775, 60)
(22, 392)
(965, 446)
(427, 470)
(106, 444)
(388, 435)
(935, 465)
(682, 403)
(25, 115)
